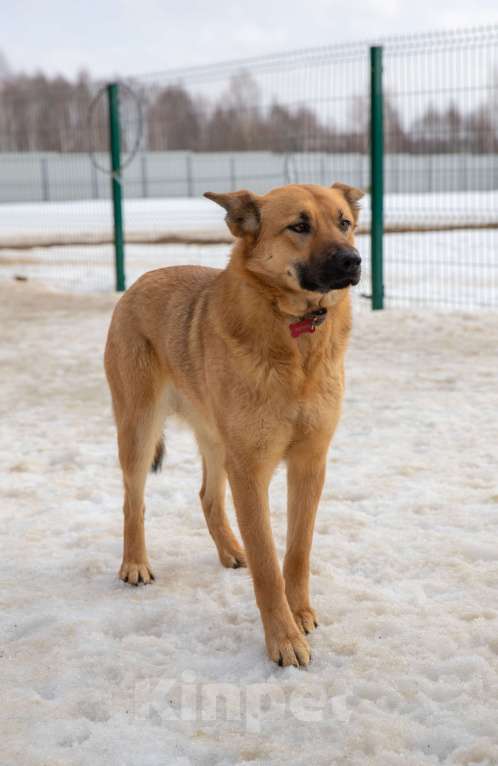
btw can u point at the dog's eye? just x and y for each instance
(300, 228)
(344, 224)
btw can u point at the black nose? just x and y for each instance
(348, 260)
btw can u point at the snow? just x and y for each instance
(46, 221)
(21, 222)
(404, 566)
(436, 268)
(444, 269)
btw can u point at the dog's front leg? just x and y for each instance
(305, 476)
(249, 484)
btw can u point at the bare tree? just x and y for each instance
(38, 113)
(238, 116)
(481, 132)
(172, 120)
(5, 71)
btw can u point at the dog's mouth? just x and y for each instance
(324, 283)
(340, 284)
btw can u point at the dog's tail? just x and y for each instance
(158, 456)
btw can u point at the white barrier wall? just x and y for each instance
(36, 177)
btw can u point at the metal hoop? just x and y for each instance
(138, 138)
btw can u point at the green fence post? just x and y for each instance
(376, 177)
(117, 190)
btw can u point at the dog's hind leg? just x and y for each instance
(138, 439)
(212, 494)
(139, 409)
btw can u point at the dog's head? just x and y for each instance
(299, 237)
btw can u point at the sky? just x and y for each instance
(109, 38)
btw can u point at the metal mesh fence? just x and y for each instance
(300, 117)
(255, 124)
(55, 209)
(441, 169)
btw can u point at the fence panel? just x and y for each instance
(441, 108)
(55, 208)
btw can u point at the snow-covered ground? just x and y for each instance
(42, 222)
(404, 572)
(445, 268)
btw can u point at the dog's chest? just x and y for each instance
(309, 401)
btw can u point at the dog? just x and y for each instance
(252, 357)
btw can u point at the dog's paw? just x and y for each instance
(134, 572)
(306, 619)
(292, 649)
(285, 644)
(232, 555)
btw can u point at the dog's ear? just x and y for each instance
(352, 197)
(243, 217)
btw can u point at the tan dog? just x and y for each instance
(252, 357)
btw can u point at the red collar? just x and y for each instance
(308, 323)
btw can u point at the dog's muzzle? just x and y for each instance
(332, 270)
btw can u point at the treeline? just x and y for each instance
(38, 113)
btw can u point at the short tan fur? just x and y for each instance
(214, 347)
